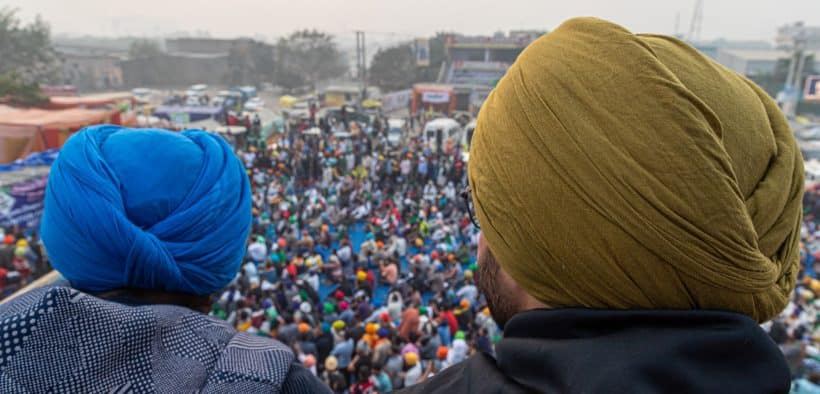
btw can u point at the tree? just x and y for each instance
(20, 92)
(26, 50)
(250, 62)
(430, 73)
(309, 56)
(393, 68)
(144, 48)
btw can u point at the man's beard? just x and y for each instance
(488, 279)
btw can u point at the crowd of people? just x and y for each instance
(629, 242)
(22, 259)
(797, 329)
(361, 258)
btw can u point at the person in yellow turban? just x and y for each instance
(640, 208)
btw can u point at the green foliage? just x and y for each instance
(250, 62)
(430, 74)
(143, 48)
(393, 68)
(25, 49)
(20, 92)
(307, 57)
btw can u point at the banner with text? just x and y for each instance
(21, 203)
(422, 52)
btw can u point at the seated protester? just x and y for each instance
(619, 229)
(146, 225)
(389, 271)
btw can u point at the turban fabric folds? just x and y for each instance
(619, 171)
(127, 208)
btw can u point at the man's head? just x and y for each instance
(618, 171)
(146, 209)
(504, 296)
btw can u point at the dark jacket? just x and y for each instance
(80, 344)
(602, 351)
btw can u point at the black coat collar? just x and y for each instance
(600, 351)
(585, 350)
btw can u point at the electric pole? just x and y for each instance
(793, 89)
(697, 22)
(361, 62)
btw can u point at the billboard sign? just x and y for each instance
(435, 97)
(812, 90)
(422, 52)
(22, 203)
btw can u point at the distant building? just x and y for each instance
(186, 61)
(474, 64)
(809, 36)
(711, 48)
(707, 49)
(211, 46)
(175, 70)
(90, 69)
(751, 62)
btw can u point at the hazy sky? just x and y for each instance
(403, 19)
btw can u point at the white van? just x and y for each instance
(395, 132)
(438, 132)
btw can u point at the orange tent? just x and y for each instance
(26, 130)
(92, 100)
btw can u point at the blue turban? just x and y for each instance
(146, 209)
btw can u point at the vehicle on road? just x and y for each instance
(441, 132)
(396, 130)
(197, 90)
(254, 104)
(143, 95)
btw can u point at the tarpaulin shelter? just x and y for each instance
(27, 130)
(209, 124)
(233, 130)
(93, 100)
(22, 187)
(186, 114)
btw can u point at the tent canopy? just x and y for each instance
(195, 114)
(231, 130)
(73, 118)
(26, 130)
(207, 124)
(93, 100)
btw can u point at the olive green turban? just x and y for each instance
(620, 171)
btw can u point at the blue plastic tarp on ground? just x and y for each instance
(357, 236)
(326, 290)
(35, 159)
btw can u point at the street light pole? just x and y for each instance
(793, 89)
